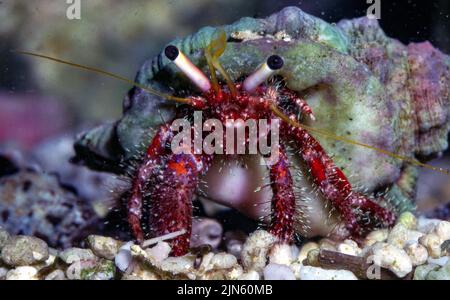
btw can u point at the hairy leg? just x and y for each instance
(283, 201)
(355, 209)
(167, 182)
(170, 199)
(142, 175)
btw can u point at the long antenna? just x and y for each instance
(273, 107)
(322, 132)
(109, 74)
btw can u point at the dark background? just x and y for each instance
(120, 35)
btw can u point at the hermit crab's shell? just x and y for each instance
(360, 84)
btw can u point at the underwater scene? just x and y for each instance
(224, 140)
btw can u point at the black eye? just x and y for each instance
(171, 52)
(275, 62)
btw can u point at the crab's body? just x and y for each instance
(167, 181)
(360, 85)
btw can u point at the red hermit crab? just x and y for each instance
(167, 181)
(379, 106)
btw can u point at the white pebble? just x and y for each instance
(417, 253)
(390, 257)
(442, 230)
(278, 272)
(22, 273)
(255, 250)
(282, 254)
(56, 275)
(400, 235)
(143, 273)
(124, 258)
(178, 265)
(223, 261)
(71, 255)
(296, 267)
(314, 273)
(425, 225)
(327, 244)
(349, 247)
(433, 243)
(376, 236)
(158, 253)
(235, 273)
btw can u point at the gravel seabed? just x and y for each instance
(415, 248)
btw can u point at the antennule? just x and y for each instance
(188, 68)
(272, 64)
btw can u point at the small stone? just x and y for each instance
(315, 273)
(425, 225)
(376, 236)
(223, 261)
(442, 274)
(73, 272)
(303, 254)
(158, 253)
(3, 272)
(282, 254)
(349, 247)
(178, 265)
(56, 275)
(234, 242)
(278, 272)
(206, 232)
(255, 249)
(400, 235)
(141, 272)
(48, 263)
(104, 247)
(250, 275)
(390, 257)
(417, 253)
(213, 275)
(296, 267)
(442, 230)
(442, 261)
(124, 258)
(24, 251)
(235, 272)
(206, 264)
(327, 244)
(71, 255)
(4, 237)
(408, 220)
(91, 270)
(22, 273)
(422, 271)
(432, 242)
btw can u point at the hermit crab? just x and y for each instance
(358, 113)
(169, 180)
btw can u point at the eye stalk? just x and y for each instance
(188, 68)
(267, 69)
